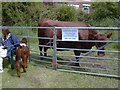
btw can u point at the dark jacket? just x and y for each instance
(11, 43)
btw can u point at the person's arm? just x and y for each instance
(15, 40)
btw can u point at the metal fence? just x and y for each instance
(63, 60)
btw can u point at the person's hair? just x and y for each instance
(5, 31)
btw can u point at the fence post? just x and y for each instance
(28, 38)
(54, 63)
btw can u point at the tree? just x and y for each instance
(25, 13)
(101, 10)
(13, 13)
(66, 13)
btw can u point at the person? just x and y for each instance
(10, 42)
(3, 53)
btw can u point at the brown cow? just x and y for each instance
(22, 52)
(83, 35)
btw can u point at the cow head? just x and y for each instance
(102, 37)
(24, 40)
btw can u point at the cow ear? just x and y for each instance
(109, 35)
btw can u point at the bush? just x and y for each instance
(101, 10)
(25, 13)
(81, 16)
(66, 13)
(106, 22)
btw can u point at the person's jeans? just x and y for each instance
(10, 57)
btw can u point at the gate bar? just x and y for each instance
(88, 73)
(83, 28)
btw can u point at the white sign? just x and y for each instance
(70, 34)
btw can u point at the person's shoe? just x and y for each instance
(1, 70)
(12, 66)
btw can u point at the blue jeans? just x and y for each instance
(10, 57)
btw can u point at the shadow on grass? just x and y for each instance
(7, 65)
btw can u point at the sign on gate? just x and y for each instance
(69, 34)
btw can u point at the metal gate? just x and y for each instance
(63, 60)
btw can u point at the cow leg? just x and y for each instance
(45, 51)
(24, 62)
(28, 53)
(46, 42)
(18, 66)
(77, 53)
(40, 48)
(27, 62)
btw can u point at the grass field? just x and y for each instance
(40, 77)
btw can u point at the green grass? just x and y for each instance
(40, 77)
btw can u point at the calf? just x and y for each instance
(22, 52)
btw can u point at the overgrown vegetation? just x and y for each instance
(25, 13)
(103, 14)
(66, 13)
(104, 10)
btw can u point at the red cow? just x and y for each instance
(83, 35)
(22, 52)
